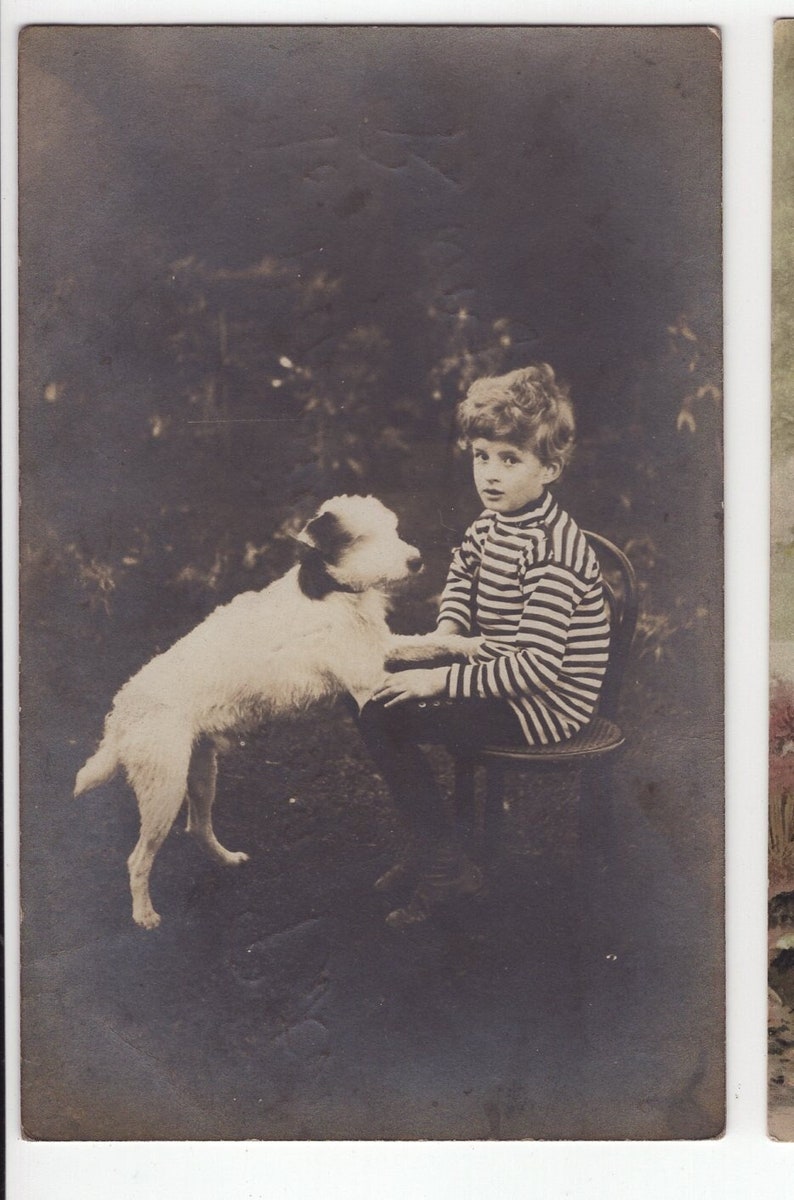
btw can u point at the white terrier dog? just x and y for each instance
(320, 631)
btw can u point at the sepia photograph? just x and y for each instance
(371, 584)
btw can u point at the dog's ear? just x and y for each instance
(326, 534)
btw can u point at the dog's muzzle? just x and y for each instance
(414, 563)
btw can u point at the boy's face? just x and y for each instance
(507, 475)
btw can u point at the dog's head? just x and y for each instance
(352, 544)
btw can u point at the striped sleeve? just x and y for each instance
(530, 664)
(457, 599)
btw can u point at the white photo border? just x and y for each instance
(744, 1162)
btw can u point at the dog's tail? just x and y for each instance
(101, 767)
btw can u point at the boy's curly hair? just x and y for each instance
(526, 406)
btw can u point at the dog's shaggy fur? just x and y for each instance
(318, 632)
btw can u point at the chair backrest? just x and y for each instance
(620, 585)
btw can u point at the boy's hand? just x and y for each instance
(411, 685)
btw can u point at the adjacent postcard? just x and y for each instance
(260, 269)
(781, 659)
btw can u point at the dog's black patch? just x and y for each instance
(314, 579)
(329, 536)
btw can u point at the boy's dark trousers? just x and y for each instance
(393, 737)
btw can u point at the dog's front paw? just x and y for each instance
(405, 652)
(422, 649)
(405, 657)
(470, 647)
(431, 649)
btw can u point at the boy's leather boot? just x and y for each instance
(450, 874)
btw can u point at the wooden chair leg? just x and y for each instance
(493, 810)
(465, 798)
(596, 821)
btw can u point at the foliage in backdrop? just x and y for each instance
(251, 281)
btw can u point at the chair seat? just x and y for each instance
(598, 738)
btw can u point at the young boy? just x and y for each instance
(527, 583)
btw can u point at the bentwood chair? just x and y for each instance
(589, 751)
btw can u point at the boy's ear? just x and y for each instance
(552, 472)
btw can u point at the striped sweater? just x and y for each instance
(530, 584)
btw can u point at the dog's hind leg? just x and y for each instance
(201, 779)
(159, 800)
